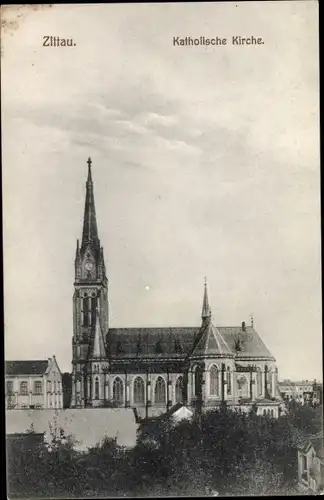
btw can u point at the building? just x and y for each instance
(33, 384)
(85, 429)
(152, 369)
(311, 463)
(318, 391)
(304, 391)
(175, 414)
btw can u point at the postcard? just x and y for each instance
(162, 249)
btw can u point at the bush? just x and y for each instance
(232, 453)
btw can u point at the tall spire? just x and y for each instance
(206, 311)
(90, 231)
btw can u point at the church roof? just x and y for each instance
(177, 342)
(151, 342)
(29, 367)
(211, 342)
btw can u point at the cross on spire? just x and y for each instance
(89, 162)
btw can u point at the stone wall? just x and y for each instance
(88, 426)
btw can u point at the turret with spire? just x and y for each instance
(206, 311)
(209, 341)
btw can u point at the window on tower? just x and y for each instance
(97, 388)
(85, 310)
(93, 310)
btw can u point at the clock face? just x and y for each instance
(88, 265)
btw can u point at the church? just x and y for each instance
(153, 369)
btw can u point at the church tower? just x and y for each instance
(90, 304)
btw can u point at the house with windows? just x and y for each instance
(33, 384)
(311, 463)
(152, 369)
(304, 391)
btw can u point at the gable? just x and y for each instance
(53, 367)
(212, 344)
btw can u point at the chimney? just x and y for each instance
(243, 326)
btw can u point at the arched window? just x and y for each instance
(38, 387)
(264, 413)
(213, 381)
(198, 381)
(96, 388)
(139, 390)
(259, 381)
(179, 390)
(272, 414)
(159, 392)
(229, 380)
(118, 391)
(85, 310)
(23, 388)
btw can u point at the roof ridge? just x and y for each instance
(25, 360)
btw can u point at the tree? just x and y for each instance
(307, 419)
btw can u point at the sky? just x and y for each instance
(205, 162)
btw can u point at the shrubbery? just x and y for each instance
(231, 453)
